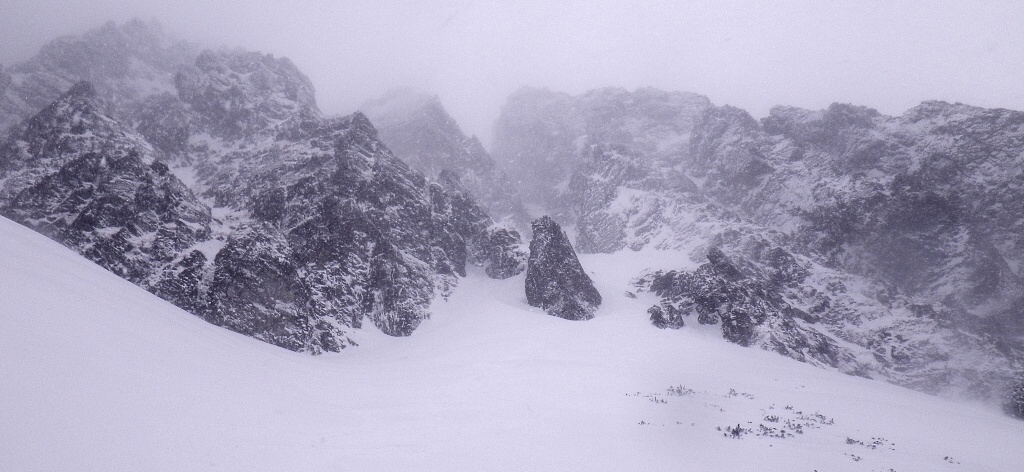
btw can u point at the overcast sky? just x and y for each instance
(888, 55)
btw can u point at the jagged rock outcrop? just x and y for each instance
(497, 248)
(750, 310)
(764, 295)
(418, 129)
(90, 183)
(273, 90)
(622, 199)
(257, 291)
(729, 162)
(368, 236)
(555, 280)
(904, 224)
(925, 201)
(284, 225)
(126, 63)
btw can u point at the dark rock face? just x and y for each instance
(272, 90)
(166, 123)
(369, 238)
(764, 295)
(496, 248)
(907, 199)
(555, 280)
(502, 250)
(729, 162)
(284, 225)
(750, 310)
(256, 290)
(86, 181)
(418, 129)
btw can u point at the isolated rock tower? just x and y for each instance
(555, 280)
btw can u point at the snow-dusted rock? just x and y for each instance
(497, 248)
(555, 280)
(925, 201)
(890, 241)
(126, 63)
(369, 236)
(418, 129)
(236, 199)
(239, 93)
(750, 310)
(1014, 404)
(83, 179)
(762, 294)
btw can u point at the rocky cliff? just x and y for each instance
(903, 226)
(236, 199)
(126, 63)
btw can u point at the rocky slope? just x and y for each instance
(879, 246)
(416, 127)
(89, 182)
(126, 63)
(902, 229)
(236, 199)
(928, 201)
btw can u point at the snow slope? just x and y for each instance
(97, 374)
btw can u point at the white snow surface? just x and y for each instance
(97, 374)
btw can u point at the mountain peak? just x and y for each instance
(84, 89)
(241, 92)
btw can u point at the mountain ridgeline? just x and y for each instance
(237, 200)
(885, 247)
(888, 247)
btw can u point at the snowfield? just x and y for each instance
(97, 374)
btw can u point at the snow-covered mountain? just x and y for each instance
(236, 199)
(882, 247)
(879, 246)
(126, 63)
(416, 127)
(106, 376)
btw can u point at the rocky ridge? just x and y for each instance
(880, 246)
(236, 199)
(910, 270)
(126, 63)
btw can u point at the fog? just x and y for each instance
(889, 55)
